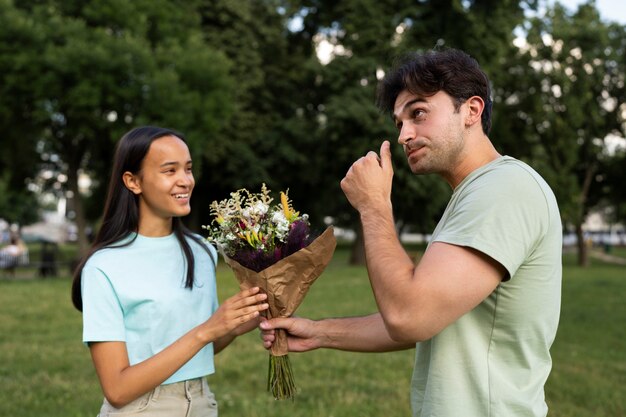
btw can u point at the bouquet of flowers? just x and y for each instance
(271, 247)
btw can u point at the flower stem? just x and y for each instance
(280, 378)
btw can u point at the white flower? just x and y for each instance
(279, 217)
(282, 224)
(259, 208)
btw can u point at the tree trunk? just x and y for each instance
(583, 249)
(79, 212)
(357, 255)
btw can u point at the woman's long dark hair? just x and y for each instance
(121, 209)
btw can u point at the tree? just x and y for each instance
(264, 139)
(614, 190)
(565, 96)
(17, 96)
(101, 68)
(17, 207)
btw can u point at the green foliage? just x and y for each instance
(17, 206)
(263, 140)
(565, 94)
(245, 85)
(95, 70)
(20, 41)
(614, 190)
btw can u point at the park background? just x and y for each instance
(282, 92)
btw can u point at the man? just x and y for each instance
(482, 305)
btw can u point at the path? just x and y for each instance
(608, 258)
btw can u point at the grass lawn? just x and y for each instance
(46, 371)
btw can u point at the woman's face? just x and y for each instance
(164, 184)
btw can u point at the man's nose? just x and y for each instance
(407, 133)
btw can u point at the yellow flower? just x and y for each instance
(289, 213)
(249, 238)
(285, 203)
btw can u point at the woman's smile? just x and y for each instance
(183, 197)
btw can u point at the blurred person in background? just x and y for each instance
(13, 253)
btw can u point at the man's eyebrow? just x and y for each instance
(406, 106)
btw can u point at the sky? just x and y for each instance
(610, 10)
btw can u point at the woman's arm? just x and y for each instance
(122, 383)
(222, 342)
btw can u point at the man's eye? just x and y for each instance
(399, 126)
(418, 113)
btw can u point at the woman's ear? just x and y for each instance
(131, 181)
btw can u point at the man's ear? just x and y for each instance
(131, 181)
(475, 106)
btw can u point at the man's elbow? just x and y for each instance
(404, 330)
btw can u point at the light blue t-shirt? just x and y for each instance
(136, 294)
(495, 359)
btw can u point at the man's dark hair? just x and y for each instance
(450, 70)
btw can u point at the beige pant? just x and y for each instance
(191, 398)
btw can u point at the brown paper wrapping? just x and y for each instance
(288, 280)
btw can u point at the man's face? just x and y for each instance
(431, 131)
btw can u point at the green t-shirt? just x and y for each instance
(495, 359)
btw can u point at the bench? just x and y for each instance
(10, 262)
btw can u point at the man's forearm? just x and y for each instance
(389, 267)
(358, 334)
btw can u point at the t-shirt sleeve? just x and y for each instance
(103, 318)
(502, 216)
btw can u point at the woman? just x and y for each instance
(147, 287)
(14, 253)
